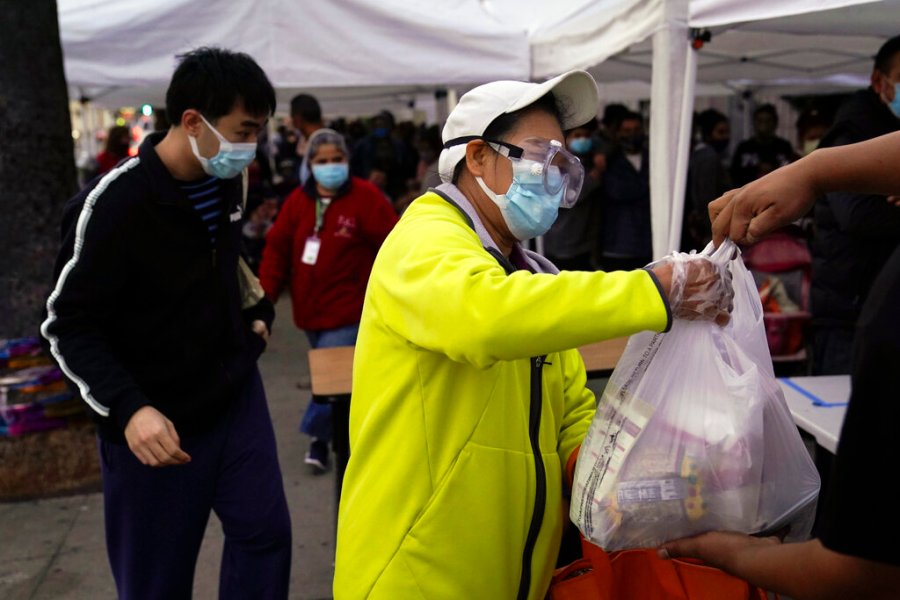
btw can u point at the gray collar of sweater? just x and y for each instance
(536, 262)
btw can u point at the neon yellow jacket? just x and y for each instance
(442, 484)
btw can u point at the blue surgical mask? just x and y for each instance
(229, 161)
(581, 145)
(527, 208)
(895, 103)
(331, 176)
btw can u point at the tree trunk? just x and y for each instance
(37, 166)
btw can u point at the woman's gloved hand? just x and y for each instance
(696, 287)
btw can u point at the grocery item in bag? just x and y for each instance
(692, 434)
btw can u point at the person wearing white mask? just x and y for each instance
(469, 399)
(146, 319)
(321, 248)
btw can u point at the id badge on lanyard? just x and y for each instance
(313, 243)
(311, 250)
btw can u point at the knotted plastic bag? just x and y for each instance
(692, 434)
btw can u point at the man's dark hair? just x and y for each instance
(430, 138)
(886, 54)
(707, 121)
(629, 115)
(118, 139)
(386, 116)
(612, 114)
(214, 80)
(590, 127)
(505, 123)
(307, 108)
(769, 109)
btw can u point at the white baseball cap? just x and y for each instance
(575, 92)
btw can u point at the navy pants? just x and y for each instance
(156, 517)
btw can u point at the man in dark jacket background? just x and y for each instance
(855, 233)
(762, 153)
(626, 242)
(147, 319)
(707, 177)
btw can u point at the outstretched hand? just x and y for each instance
(750, 213)
(719, 549)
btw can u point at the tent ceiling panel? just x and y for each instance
(340, 43)
(392, 42)
(744, 58)
(710, 13)
(604, 28)
(349, 51)
(876, 19)
(133, 43)
(741, 59)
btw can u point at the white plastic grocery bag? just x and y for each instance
(692, 434)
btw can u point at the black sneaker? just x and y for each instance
(317, 456)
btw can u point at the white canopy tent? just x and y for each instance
(799, 44)
(345, 51)
(358, 56)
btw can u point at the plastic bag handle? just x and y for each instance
(724, 254)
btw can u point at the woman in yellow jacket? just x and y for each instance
(469, 399)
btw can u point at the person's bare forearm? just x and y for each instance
(871, 167)
(803, 571)
(786, 568)
(809, 571)
(755, 210)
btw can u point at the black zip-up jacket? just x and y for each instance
(143, 310)
(855, 233)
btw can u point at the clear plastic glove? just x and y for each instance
(696, 286)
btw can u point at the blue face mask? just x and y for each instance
(581, 145)
(331, 176)
(895, 103)
(229, 161)
(527, 208)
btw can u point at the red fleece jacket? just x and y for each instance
(330, 293)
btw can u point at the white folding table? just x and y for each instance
(818, 405)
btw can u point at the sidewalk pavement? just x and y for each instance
(54, 549)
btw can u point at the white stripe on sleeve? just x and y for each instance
(83, 219)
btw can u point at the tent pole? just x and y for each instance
(671, 112)
(452, 100)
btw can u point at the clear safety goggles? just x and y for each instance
(540, 161)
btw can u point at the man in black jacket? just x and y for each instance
(626, 240)
(146, 318)
(762, 153)
(855, 233)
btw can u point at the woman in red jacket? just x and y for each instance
(322, 246)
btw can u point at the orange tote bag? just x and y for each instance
(642, 575)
